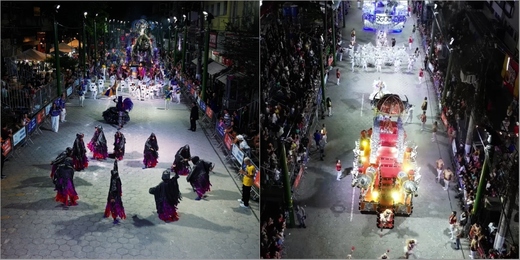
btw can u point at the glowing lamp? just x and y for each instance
(375, 194)
(363, 159)
(395, 195)
(364, 143)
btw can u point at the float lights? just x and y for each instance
(363, 159)
(452, 40)
(375, 194)
(364, 143)
(395, 195)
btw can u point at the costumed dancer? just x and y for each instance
(64, 183)
(81, 93)
(119, 145)
(397, 64)
(79, 153)
(199, 177)
(379, 63)
(98, 144)
(114, 205)
(167, 196)
(59, 160)
(168, 98)
(181, 163)
(353, 64)
(410, 246)
(364, 63)
(151, 152)
(384, 218)
(55, 117)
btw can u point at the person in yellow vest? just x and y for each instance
(247, 182)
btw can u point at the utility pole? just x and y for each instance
(322, 74)
(333, 16)
(95, 42)
(448, 75)
(208, 17)
(200, 45)
(57, 54)
(432, 39)
(287, 185)
(84, 49)
(481, 186)
(184, 44)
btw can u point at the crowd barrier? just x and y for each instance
(234, 154)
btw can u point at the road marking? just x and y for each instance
(362, 101)
(352, 204)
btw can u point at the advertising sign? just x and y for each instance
(31, 125)
(7, 146)
(257, 179)
(209, 112)
(202, 105)
(237, 153)
(19, 136)
(213, 40)
(40, 117)
(220, 129)
(227, 141)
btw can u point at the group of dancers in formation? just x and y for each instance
(379, 55)
(167, 194)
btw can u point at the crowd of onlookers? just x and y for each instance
(272, 234)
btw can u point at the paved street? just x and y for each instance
(33, 225)
(334, 223)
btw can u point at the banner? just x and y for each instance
(202, 105)
(227, 141)
(213, 40)
(40, 117)
(257, 179)
(7, 146)
(220, 129)
(19, 136)
(69, 91)
(48, 108)
(31, 125)
(237, 153)
(209, 113)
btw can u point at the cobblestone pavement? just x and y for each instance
(33, 225)
(334, 223)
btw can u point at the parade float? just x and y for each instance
(385, 15)
(385, 169)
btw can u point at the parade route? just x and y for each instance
(35, 226)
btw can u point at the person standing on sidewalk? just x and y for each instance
(194, 116)
(55, 117)
(247, 182)
(317, 139)
(329, 106)
(341, 51)
(452, 219)
(434, 132)
(409, 115)
(458, 235)
(324, 134)
(440, 168)
(300, 214)
(338, 169)
(322, 149)
(448, 176)
(423, 120)
(338, 76)
(61, 103)
(421, 75)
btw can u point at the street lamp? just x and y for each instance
(57, 53)
(184, 43)
(208, 17)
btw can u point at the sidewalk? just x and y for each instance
(35, 226)
(334, 223)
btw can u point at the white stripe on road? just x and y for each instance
(352, 204)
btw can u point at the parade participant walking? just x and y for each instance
(424, 105)
(247, 182)
(423, 120)
(452, 219)
(199, 177)
(194, 116)
(410, 41)
(181, 164)
(410, 246)
(79, 153)
(448, 176)
(338, 75)
(353, 34)
(114, 205)
(300, 214)
(167, 196)
(178, 94)
(151, 152)
(329, 106)
(64, 183)
(119, 146)
(324, 133)
(440, 168)
(168, 98)
(61, 103)
(421, 75)
(98, 144)
(81, 94)
(55, 117)
(59, 160)
(409, 114)
(338, 170)
(434, 132)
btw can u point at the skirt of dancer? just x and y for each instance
(182, 170)
(115, 209)
(67, 195)
(202, 185)
(98, 153)
(118, 155)
(80, 165)
(150, 160)
(169, 212)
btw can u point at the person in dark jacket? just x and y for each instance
(64, 183)
(119, 146)
(199, 177)
(59, 160)
(79, 153)
(114, 205)
(181, 163)
(55, 117)
(167, 196)
(194, 116)
(98, 144)
(151, 152)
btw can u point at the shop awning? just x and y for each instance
(223, 78)
(215, 67)
(194, 61)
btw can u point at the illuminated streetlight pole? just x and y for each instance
(57, 53)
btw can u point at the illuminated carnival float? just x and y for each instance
(384, 15)
(385, 169)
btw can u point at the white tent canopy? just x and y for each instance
(32, 55)
(63, 47)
